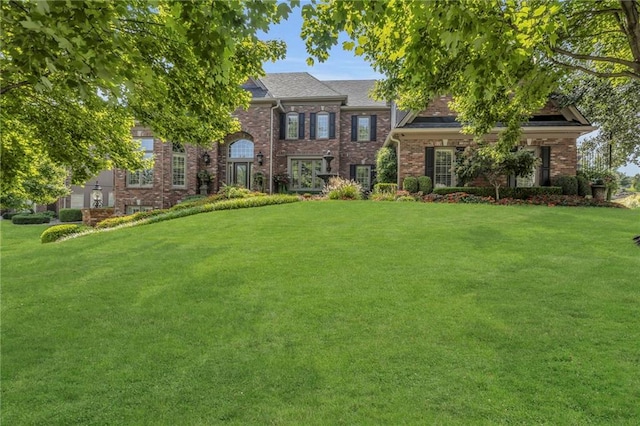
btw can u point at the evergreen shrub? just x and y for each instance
(70, 215)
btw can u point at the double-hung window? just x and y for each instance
(293, 125)
(322, 126)
(142, 178)
(443, 176)
(178, 166)
(364, 127)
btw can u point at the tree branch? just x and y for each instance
(624, 74)
(10, 87)
(632, 27)
(633, 65)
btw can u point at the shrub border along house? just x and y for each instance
(70, 215)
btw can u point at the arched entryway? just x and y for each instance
(240, 163)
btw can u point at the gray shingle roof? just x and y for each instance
(357, 91)
(296, 85)
(303, 85)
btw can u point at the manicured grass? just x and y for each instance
(328, 313)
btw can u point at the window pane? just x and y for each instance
(363, 128)
(443, 168)
(363, 176)
(142, 178)
(530, 180)
(178, 170)
(292, 126)
(304, 174)
(323, 126)
(147, 144)
(242, 148)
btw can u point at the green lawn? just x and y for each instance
(328, 313)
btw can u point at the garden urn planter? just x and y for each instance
(599, 192)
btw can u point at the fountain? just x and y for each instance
(327, 161)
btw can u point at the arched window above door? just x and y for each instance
(242, 148)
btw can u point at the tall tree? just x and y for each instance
(74, 75)
(500, 59)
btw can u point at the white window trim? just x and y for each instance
(302, 158)
(451, 171)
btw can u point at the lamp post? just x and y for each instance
(206, 159)
(260, 158)
(96, 196)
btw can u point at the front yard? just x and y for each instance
(328, 313)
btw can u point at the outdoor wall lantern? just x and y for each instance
(96, 196)
(260, 157)
(206, 158)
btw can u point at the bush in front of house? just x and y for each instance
(112, 222)
(569, 184)
(487, 191)
(410, 184)
(342, 189)
(584, 187)
(30, 219)
(57, 232)
(425, 185)
(70, 215)
(385, 188)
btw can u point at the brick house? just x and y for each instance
(294, 119)
(427, 142)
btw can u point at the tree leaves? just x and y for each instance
(77, 73)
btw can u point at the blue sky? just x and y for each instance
(341, 65)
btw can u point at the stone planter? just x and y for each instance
(204, 189)
(599, 192)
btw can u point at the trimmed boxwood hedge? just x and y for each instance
(30, 219)
(410, 184)
(57, 232)
(489, 191)
(385, 188)
(425, 185)
(70, 215)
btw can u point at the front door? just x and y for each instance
(240, 173)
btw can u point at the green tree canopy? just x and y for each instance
(500, 59)
(74, 75)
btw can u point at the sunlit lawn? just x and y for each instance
(328, 313)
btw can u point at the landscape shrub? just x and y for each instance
(10, 215)
(30, 219)
(57, 232)
(410, 184)
(584, 188)
(197, 202)
(70, 215)
(234, 191)
(385, 188)
(342, 189)
(50, 213)
(569, 184)
(425, 185)
(382, 196)
(486, 191)
(405, 198)
(121, 220)
(458, 197)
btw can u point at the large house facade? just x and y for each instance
(294, 120)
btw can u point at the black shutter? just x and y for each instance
(312, 125)
(372, 133)
(332, 125)
(283, 125)
(354, 128)
(430, 163)
(301, 125)
(352, 172)
(545, 176)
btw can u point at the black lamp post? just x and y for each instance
(260, 158)
(96, 196)
(206, 159)
(328, 157)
